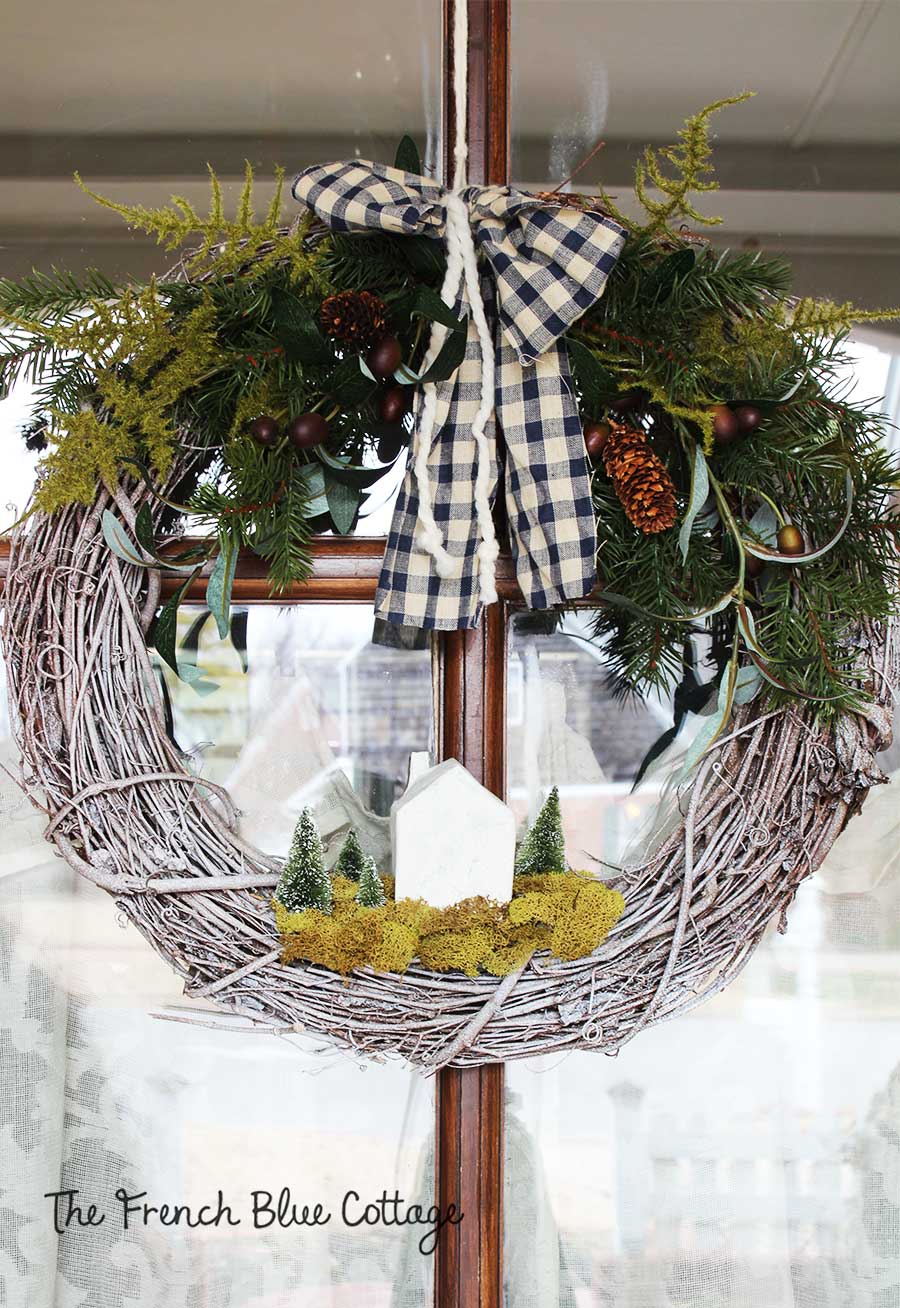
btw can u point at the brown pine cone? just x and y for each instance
(640, 479)
(357, 317)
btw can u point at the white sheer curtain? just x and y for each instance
(748, 1154)
(95, 1094)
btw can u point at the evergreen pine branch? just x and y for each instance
(282, 533)
(54, 296)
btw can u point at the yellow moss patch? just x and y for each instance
(565, 913)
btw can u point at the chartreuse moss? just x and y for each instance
(568, 914)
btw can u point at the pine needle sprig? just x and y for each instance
(283, 535)
(55, 296)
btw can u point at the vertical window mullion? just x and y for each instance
(469, 1133)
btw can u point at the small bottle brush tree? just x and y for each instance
(371, 889)
(304, 882)
(351, 859)
(544, 847)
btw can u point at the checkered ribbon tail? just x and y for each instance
(543, 266)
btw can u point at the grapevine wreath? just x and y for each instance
(648, 407)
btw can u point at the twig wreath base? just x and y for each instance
(762, 812)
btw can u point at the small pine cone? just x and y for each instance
(357, 317)
(640, 479)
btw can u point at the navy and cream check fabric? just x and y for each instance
(543, 267)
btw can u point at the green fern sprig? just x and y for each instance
(826, 318)
(174, 224)
(226, 245)
(692, 175)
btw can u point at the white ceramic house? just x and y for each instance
(452, 839)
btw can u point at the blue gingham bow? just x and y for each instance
(545, 266)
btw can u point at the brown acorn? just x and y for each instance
(596, 434)
(385, 358)
(264, 430)
(308, 430)
(754, 566)
(725, 425)
(748, 418)
(394, 404)
(633, 401)
(790, 539)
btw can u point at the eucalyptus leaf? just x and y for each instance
(595, 382)
(407, 157)
(699, 493)
(429, 305)
(143, 529)
(191, 675)
(747, 685)
(764, 524)
(349, 383)
(120, 542)
(189, 647)
(125, 548)
(356, 475)
(658, 748)
(239, 619)
(623, 602)
(313, 474)
(165, 626)
(221, 580)
(450, 356)
(343, 503)
(715, 724)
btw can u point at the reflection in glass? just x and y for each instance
(141, 99)
(567, 728)
(808, 167)
(324, 717)
(95, 1094)
(740, 1155)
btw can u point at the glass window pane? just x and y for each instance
(140, 99)
(568, 728)
(738, 1155)
(807, 167)
(95, 1094)
(323, 717)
